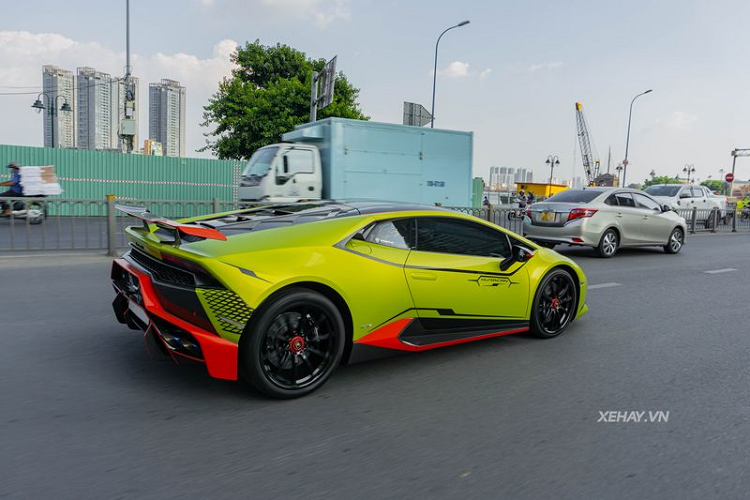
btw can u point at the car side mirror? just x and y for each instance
(517, 254)
(666, 208)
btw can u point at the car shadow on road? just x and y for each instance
(589, 253)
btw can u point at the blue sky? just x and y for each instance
(511, 76)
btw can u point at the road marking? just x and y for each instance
(718, 271)
(604, 285)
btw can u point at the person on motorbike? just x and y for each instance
(15, 191)
(521, 199)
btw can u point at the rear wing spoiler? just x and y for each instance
(147, 217)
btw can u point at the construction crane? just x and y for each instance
(590, 165)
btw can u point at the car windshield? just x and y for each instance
(662, 190)
(575, 196)
(260, 162)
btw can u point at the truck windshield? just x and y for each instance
(662, 190)
(260, 162)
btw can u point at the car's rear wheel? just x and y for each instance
(676, 240)
(554, 305)
(608, 244)
(294, 344)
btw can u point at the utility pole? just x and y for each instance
(127, 124)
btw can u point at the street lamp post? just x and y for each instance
(52, 105)
(552, 161)
(627, 141)
(434, 73)
(619, 168)
(688, 170)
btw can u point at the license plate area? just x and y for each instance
(139, 312)
(547, 216)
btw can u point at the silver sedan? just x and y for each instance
(605, 219)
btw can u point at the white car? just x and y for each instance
(686, 196)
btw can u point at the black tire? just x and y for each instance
(608, 245)
(293, 345)
(42, 215)
(676, 241)
(554, 305)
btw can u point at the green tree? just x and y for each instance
(713, 185)
(268, 94)
(659, 179)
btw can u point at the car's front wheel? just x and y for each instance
(294, 344)
(676, 240)
(554, 305)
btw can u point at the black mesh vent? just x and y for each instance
(229, 305)
(161, 271)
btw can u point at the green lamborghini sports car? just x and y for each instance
(281, 295)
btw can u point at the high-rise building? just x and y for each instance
(59, 87)
(166, 116)
(502, 178)
(96, 109)
(524, 175)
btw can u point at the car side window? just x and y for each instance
(698, 192)
(611, 200)
(646, 202)
(397, 233)
(685, 193)
(446, 235)
(625, 200)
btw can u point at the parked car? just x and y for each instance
(687, 196)
(605, 219)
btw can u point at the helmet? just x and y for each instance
(13, 165)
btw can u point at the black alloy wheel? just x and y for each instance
(294, 345)
(554, 304)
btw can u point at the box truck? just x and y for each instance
(344, 159)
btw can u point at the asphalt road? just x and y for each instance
(87, 414)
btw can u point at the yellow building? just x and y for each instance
(540, 190)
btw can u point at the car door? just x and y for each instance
(295, 177)
(454, 272)
(700, 200)
(629, 219)
(655, 227)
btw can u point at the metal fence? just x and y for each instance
(98, 226)
(715, 220)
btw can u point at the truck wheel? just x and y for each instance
(294, 345)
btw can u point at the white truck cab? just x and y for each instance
(683, 196)
(282, 173)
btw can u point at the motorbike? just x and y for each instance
(519, 212)
(33, 211)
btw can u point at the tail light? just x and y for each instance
(581, 213)
(528, 213)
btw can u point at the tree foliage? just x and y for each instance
(268, 94)
(713, 185)
(660, 179)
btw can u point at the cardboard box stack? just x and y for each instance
(39, 181)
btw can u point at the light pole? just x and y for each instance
(619, 168)
(434, 73)
(688, 170)
(552, 161)
(51, 107)
(627, 141)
